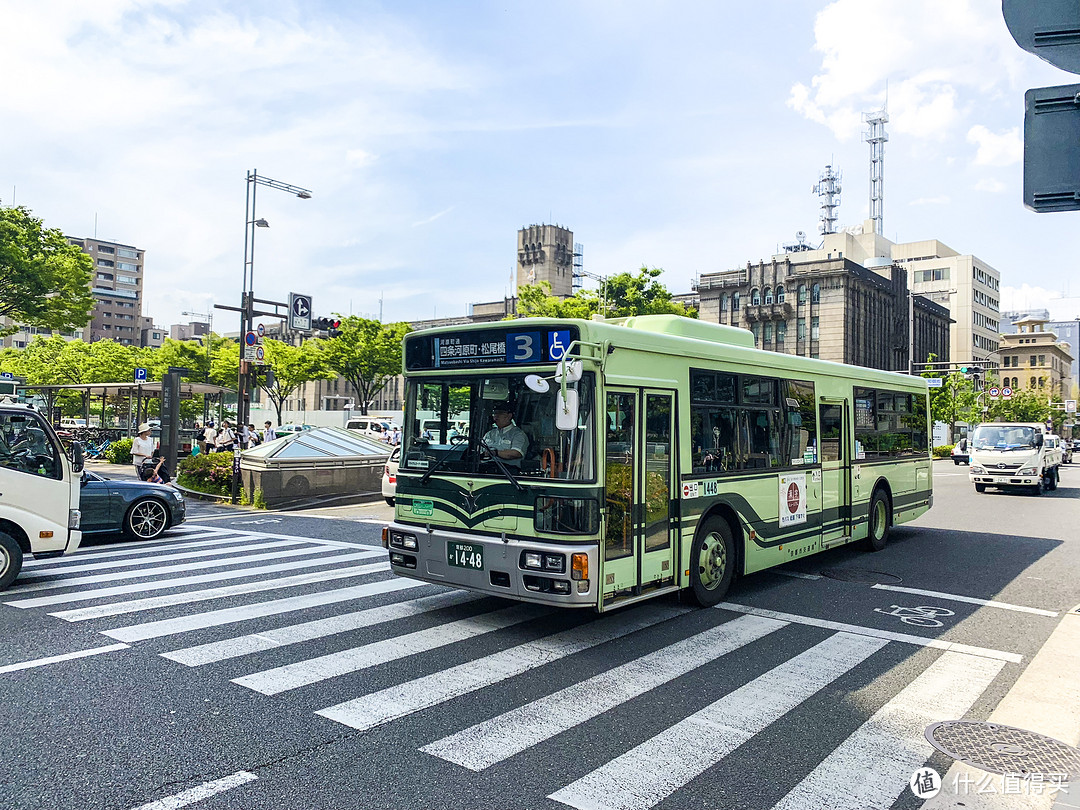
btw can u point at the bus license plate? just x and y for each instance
(465, 555)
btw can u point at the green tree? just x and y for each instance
(367, 354)
(956, 401)
(1025, 405)
(624, 295)
(44, 281)
(293, 366)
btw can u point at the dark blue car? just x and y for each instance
(141, 510)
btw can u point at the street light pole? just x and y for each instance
(247, 300)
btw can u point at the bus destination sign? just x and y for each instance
(490, 347)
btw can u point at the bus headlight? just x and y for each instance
(402, 540)
(532, 559)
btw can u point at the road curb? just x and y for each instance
(1045, 699)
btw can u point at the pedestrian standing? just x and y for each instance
(226, 439)
(395, 437)
(268, 431)
(254, 440)
(142, 448)
(210, 437)
(199, 437)
(242, 436)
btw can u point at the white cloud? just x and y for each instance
(996, 150)
(1025, 298)
(933, 56)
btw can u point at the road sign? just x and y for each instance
(260, 355)
(250, 338)
(261, 330)
(7, 375)
(994, 391)
(1070, 406)
(140, 375)
(300, 312)
(1006, 393)
(933, 382)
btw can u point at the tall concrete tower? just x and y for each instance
(546, 253)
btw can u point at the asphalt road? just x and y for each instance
(269, 660)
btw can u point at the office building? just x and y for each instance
(1034, 358)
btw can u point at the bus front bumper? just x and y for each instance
(496, 566)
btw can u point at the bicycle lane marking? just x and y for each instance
(968, 599)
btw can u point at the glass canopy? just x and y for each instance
(320, 443)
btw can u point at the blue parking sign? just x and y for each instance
(140, 375)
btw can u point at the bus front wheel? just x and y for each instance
(712, 562)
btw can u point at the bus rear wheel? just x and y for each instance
(712, 562)
(878, 532)
(11, 558)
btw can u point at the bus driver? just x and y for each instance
(506, 439)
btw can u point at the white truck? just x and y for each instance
(1012, 455)
(39, 490)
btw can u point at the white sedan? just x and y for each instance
(389, 477)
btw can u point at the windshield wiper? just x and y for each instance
(436, 466)
(502, 467)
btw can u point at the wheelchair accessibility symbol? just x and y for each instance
(922, 616)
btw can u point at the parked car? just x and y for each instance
(389, 477)
(288, 430)
(960, 453)
(138, 509)
(370, 426)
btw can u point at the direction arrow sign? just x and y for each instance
(300, 312)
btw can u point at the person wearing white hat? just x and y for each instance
(142, 447)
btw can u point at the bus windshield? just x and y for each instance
(453, 426)
(1001, 437)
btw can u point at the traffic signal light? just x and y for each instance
(965, 370)
(332, 326)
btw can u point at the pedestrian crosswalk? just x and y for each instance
(303, 619)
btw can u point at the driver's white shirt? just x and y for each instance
(510, 437)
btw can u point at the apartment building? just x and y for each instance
(117, 286)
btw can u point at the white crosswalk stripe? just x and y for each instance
(303, 673)
(119, 550)
(307, 631)
(116, 576)
(381, 707)
(623, 773)
(187, 597)
(654, 770)
(485, 744)
(179, 582)
(894, 736)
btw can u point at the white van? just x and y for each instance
(39, 491)
(370, 426)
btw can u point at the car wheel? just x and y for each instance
(980, 487)
(1040, 487)
(880, 522)
(11, 558)
(1052, 482)
(389, 501)
(956, 462)
(146, 519)
(712, 562)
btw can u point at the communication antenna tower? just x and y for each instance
(876, 137)
(828, 188)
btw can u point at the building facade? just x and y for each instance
(25, 335)
(1034, 358)
(546, 253)
(1066, 331)
(117, 286)
(827, 306)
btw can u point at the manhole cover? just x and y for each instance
(1004, 749)
(861, 576)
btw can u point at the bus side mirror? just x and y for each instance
(77, 459)
(566, 409)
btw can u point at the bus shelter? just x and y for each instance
(137, 396)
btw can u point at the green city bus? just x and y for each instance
(643, 456)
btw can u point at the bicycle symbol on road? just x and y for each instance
(922, 616)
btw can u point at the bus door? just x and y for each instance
(835, 431)
(640, 533)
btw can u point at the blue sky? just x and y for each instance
(680, 135)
